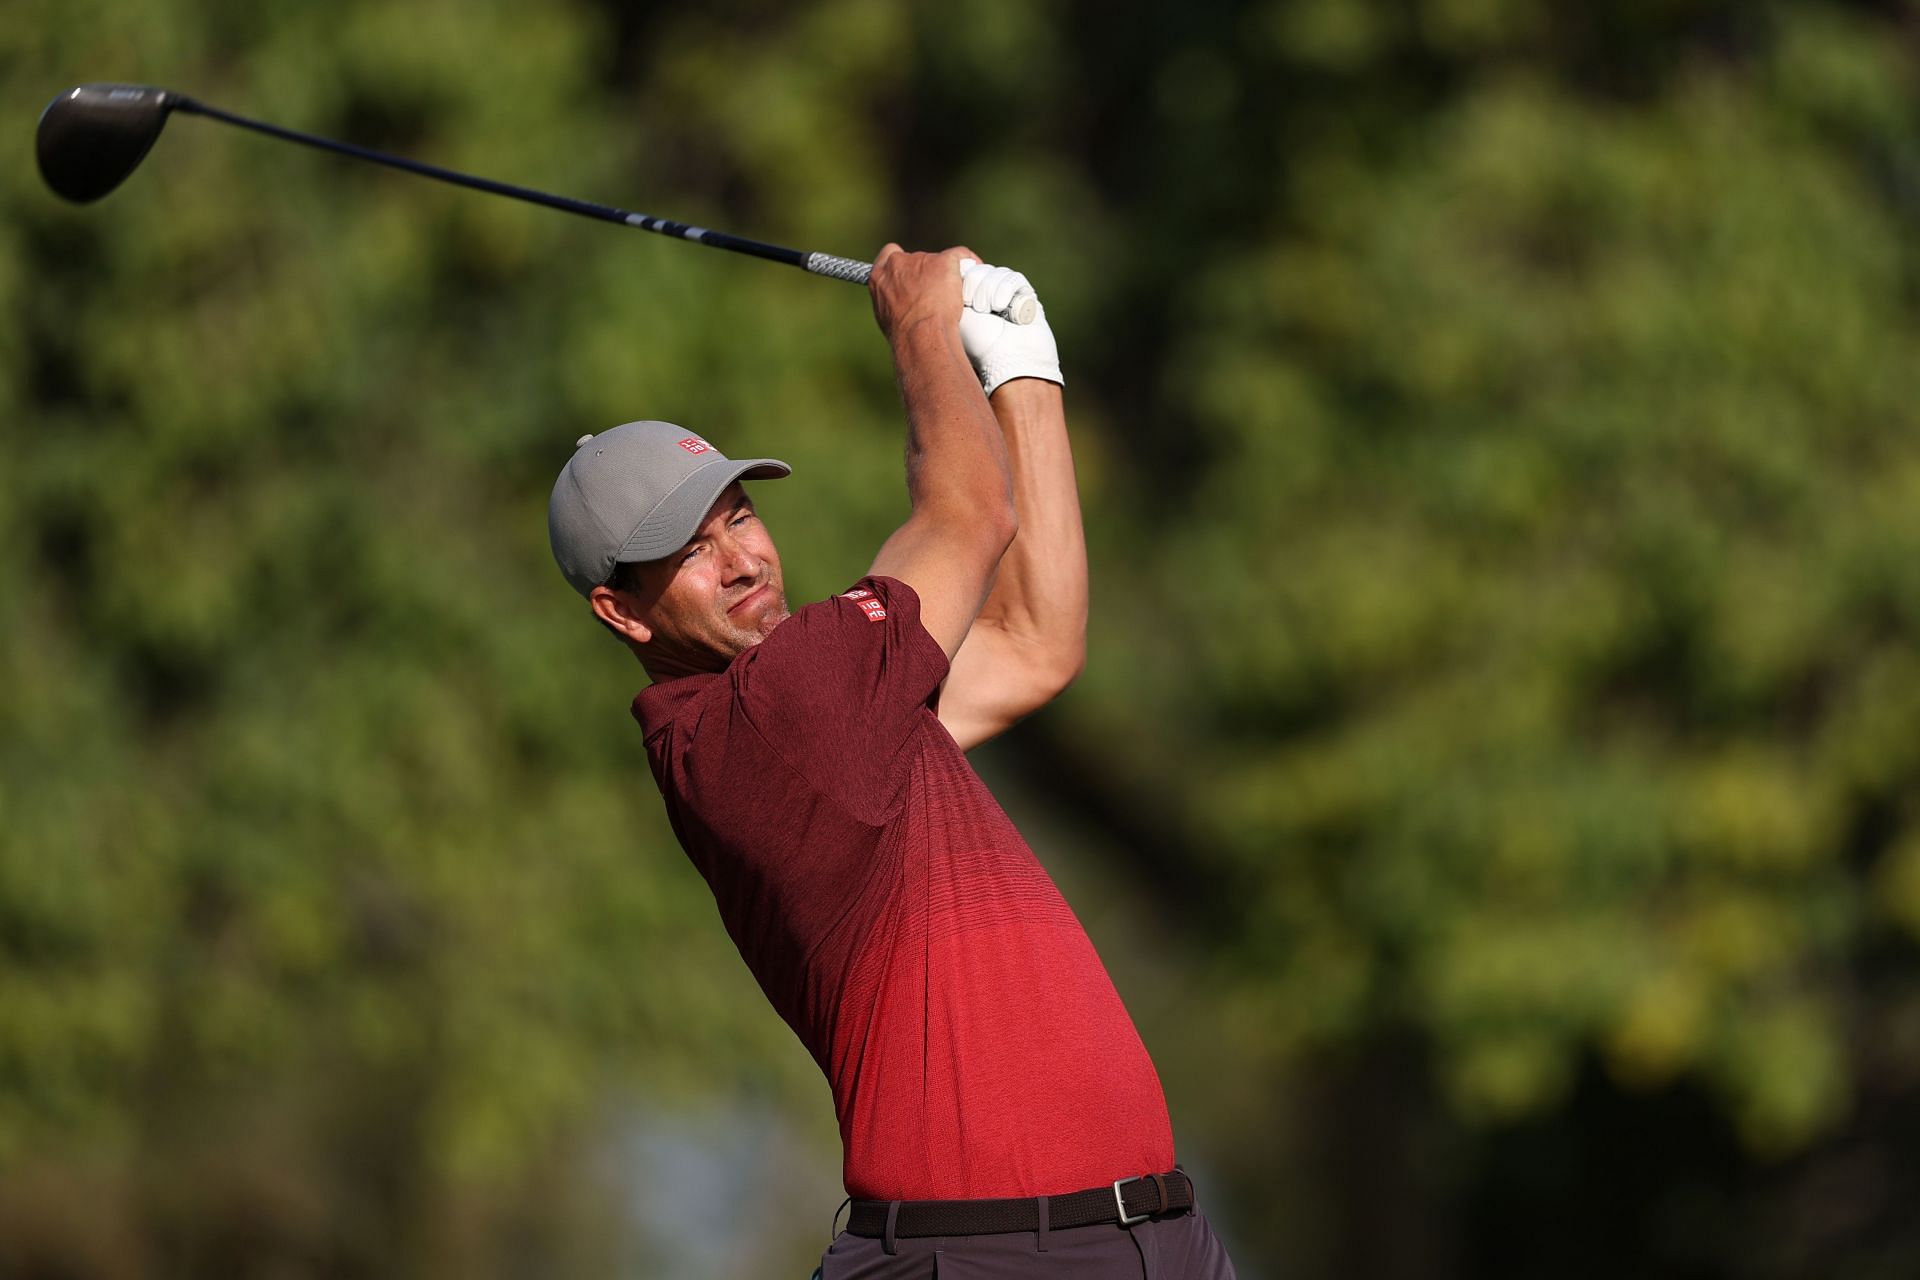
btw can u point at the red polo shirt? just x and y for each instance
(895, 918)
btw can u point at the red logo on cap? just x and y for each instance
(694, 444)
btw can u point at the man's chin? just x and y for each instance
(756, 622)
(771, 616)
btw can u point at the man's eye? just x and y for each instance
(742, 518)
(689, 554)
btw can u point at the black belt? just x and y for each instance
(1125, 1202)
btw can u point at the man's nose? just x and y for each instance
(739, 562)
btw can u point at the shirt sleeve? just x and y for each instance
(841, 689)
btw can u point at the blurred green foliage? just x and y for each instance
(1498, 428)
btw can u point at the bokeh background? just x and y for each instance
(1495, 785)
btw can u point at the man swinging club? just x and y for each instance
(995, 1101)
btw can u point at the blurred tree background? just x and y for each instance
(1496, 780)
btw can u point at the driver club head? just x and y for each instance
(91, 137)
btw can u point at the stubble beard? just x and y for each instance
(744, 635)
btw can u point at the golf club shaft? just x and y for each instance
(820, 264)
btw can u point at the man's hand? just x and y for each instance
(910, 289)
(1000, 350)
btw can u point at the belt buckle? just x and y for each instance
(1120, 1204)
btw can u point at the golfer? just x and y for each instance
(998, 1110)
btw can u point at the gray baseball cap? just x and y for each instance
(638, 492)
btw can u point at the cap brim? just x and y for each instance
(672, 524)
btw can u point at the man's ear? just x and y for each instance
(621, 613)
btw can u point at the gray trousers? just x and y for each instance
(1182, 1248)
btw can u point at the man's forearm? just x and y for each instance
(956, 452)
(949, 549)
(1040, 597)
(1028, 641)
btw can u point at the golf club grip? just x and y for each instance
(848, 269)
(1021, 310)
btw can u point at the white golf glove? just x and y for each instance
(1000, 350)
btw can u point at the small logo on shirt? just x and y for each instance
(875, 611)
(694, 444)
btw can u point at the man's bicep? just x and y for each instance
(996, 680)
(950, 565)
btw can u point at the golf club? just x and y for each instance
(91, 137)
